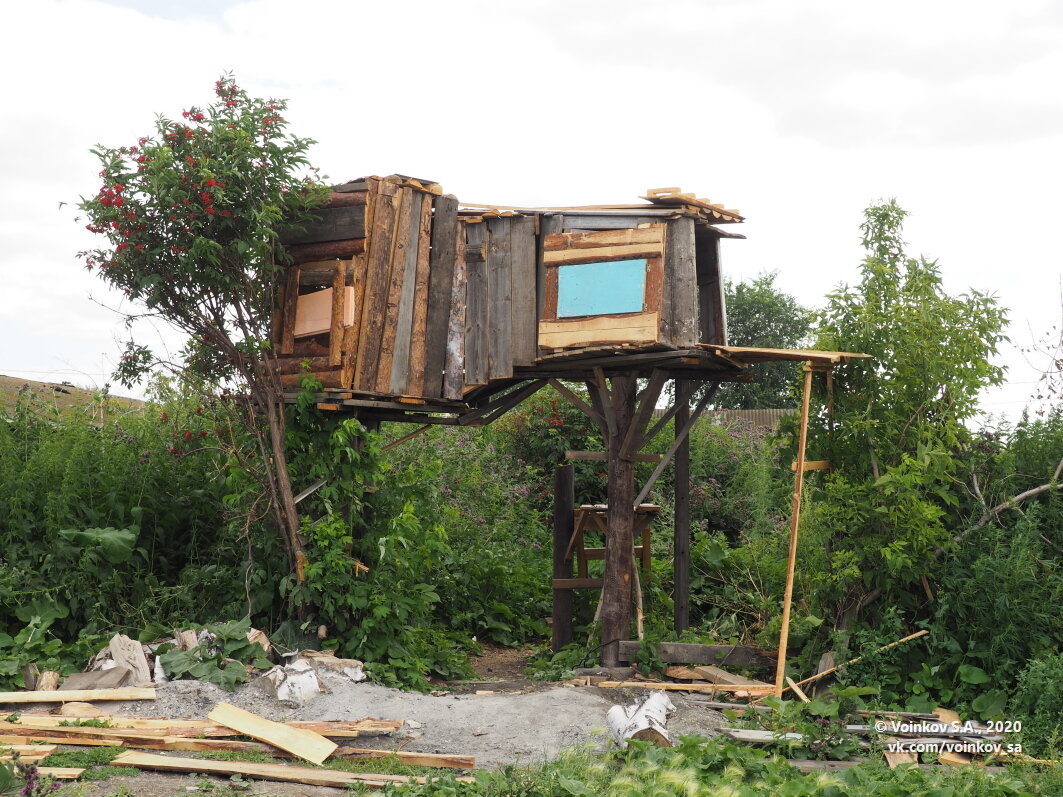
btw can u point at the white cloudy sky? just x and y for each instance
(798, 113)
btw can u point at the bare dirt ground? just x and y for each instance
(511, 723)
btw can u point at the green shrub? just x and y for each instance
(1038, 701)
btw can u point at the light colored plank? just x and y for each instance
(411, 759)
(556, 242)
(567, 256)
(633, 328)
(797, 690)
(61, 773)
(84, 695)
(339, 729)
(314, 747)
(709, 673)
(748, 689)
(277, 772)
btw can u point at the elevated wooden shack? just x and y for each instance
(399, 291)
(410, 306)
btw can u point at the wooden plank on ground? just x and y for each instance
(410, 759)
(378, 274)
(718, 655)
(61, 773)
(476, 312)
(440, 292)
(86, 695)
(500, 298)
(395, 343)
(748, 689)
(419, 326)
(524, 348)
(302, 743)
(277, 772)
(708, 673)
(339, 729)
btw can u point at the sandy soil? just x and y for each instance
(510, 724)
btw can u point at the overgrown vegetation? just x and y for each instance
(140, 520)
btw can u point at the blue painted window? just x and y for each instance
(615, 286)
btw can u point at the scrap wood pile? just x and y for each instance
(128, 670)
(903, 738)
(131, 665)
(32, 737)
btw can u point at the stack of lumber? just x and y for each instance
(39, 734)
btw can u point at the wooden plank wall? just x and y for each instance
(679, 323)
(444, 303)
(386, 350)
(712, 310)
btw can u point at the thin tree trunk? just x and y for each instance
(285, 496)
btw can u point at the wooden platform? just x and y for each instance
(483, 404)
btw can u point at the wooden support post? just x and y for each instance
(681, 539)
(619, 541)
(795, 521)
(564, 509)
(681, 434)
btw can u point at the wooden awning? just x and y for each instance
(747, 355)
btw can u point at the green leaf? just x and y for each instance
(45, 610)
(970, 674)
(990, 704)
(116, 545)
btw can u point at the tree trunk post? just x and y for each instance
(282, 479)
(619, 541)
(564, 507)
(681, 539)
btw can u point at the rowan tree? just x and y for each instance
(190, 216)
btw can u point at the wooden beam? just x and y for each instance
(578, 583)
(795, 521)
(608, 405)
(563, 526)
(577, 402)
(634, 440)
(619, 541)
(681, 525)
(501, 405)
(817, 464)
(601, 456)
(680, 436)
(404, 438)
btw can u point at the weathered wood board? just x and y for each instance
(277, 772)
(302, 743)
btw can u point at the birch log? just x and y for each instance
(645, 721)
